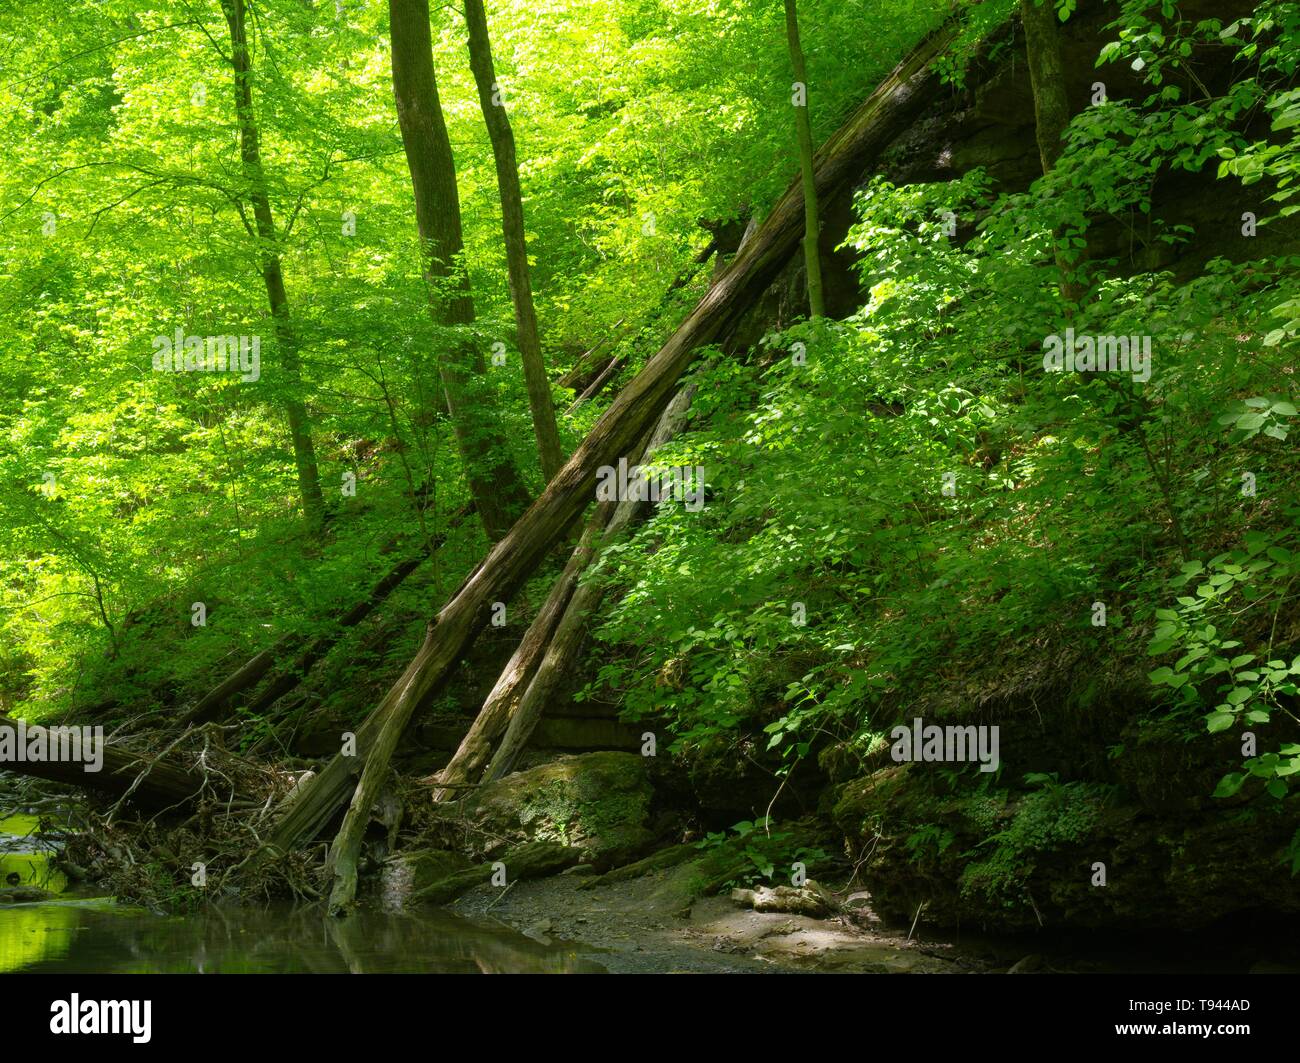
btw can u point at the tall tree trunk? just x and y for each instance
(304, 453)
(1051, 115)
(512, 227)
(841, 161)
(803, 128)
(499, 495)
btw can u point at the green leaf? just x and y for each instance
(1229, 784)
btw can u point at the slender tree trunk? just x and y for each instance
(1051, 115)
(587, 367)
(812, 224)
(599, 384)
(499, 495)
(304, 454)
(512, 226)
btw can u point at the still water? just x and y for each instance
(88, 936)
(93, 935)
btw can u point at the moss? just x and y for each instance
(549, 811)
(590, 804)
(1053, 817)
(602, 815)
(598, 802)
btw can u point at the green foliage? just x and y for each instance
(769, 853)
(127, 217)
(1052, 816)
(930, 835)
(1245, 689)
(905, 508)
(1065, 489)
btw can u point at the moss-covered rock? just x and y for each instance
(596, 802)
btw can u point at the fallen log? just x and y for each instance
(598, 385)
(216, 701)
(500, 705)
(476, 747)
(513, 559)
(589, 363)
(566, 642)
(248, 675)
(321, 645)
(693, 267)
(158, 784)
(670, 857)
(530, 860)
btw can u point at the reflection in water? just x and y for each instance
(90, 937)
(94, 935)
(33, 933)
(22, 861)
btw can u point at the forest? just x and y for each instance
(725, 486)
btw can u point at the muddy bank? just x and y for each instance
(647, 924)
(637, 926)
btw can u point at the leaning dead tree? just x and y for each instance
(565, 643)
(631, 414)
(548, 649)
(515, 685)
(476, 747)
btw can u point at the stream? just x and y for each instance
(96, 935)
(70, 931)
